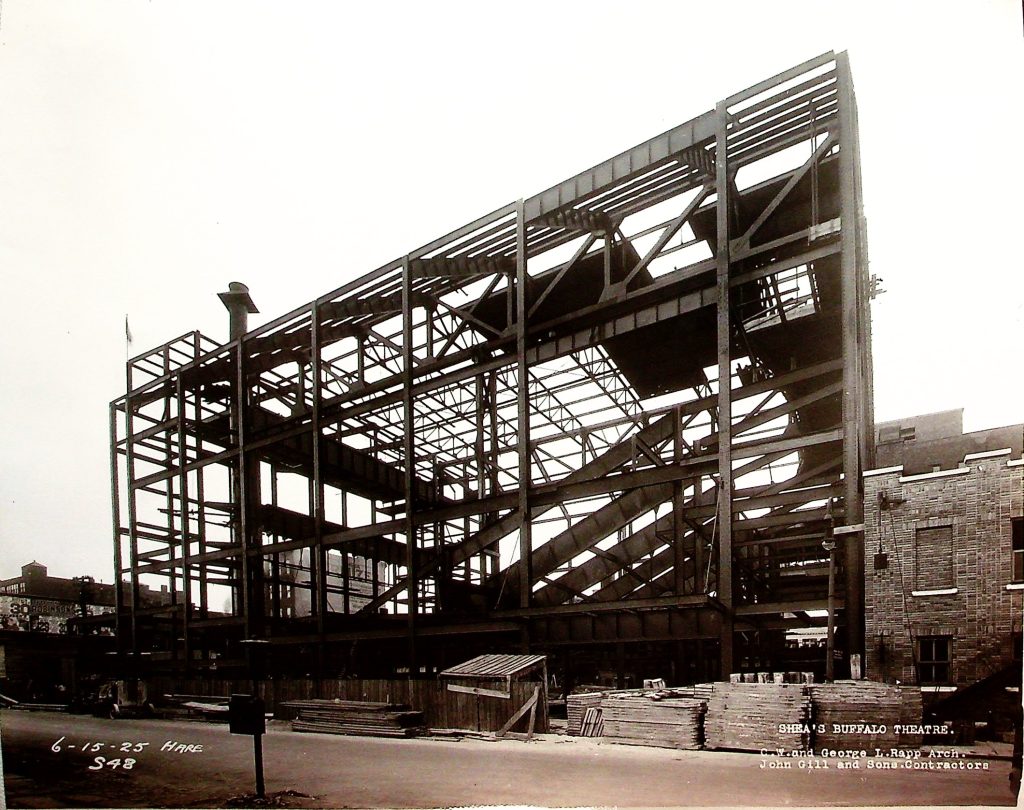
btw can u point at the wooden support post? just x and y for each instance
(530, 705)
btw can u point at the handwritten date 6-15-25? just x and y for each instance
(92, 747)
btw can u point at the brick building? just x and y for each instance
(944, 549)
(54, 631)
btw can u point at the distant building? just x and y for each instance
(39, 603)
(53, 631)
(936, 441)
(944, 549)
(349, 576)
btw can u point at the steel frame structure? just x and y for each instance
(462, 450)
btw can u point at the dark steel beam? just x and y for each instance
(852, 364)
(724, 343)
(656, 603)
(409, 455)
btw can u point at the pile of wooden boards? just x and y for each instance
(845, 715)
(658, 719)
(703, 691)
(752, 716)
(856, 715)
(576, 706)
(593, 722)
(911, 714)
(356, 717)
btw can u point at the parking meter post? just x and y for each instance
(257, 751)
(246, 716)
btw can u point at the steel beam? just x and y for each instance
(409, 454)
(724, 342)
(852, 364)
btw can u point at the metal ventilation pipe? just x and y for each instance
(239, 306)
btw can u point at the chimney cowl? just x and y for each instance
(239, 305)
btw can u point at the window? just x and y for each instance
(896, 433)
(933, 659)
(933, 557)
(1018, 549)
(889, 433)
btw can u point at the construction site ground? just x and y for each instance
(198, 764)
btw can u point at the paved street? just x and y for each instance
(365, 772)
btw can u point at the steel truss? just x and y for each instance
(462, 449)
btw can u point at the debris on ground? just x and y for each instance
(282, 798)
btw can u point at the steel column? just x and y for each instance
(724, 341)
(852, 366)
(133, 537)
(186, 573)
(320, 591)
(409, 449)
(523, 417)
(115, 503)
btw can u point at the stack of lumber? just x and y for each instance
(856, 715)
(703, 691)
(356, 717)
(593, 723)
(747, 716)
(911, 714)
(660, 719)
(576, 706)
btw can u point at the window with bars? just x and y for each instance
(1018, 548)
(933, 557)
(933, 659)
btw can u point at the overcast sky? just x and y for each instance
(151, 152)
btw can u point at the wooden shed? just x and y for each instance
(498, 693)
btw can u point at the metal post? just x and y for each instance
(678, 525)
(256, 652)
(133, 537)
(409, 446)
(186, 573)
(242, 494)
(116, 509)
(275, 562)
(852, 364)
(320, 592)
(523, 417)
(257, 754)
(724, 338)
(830, 638)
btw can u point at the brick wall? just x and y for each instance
(976, 502)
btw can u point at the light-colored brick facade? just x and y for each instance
(939, 570)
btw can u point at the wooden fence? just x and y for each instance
(441, 708)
